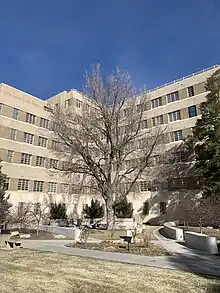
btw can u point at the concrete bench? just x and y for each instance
(201, 242)
(172, 231)
(13, 244)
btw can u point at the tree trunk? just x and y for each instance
(110, 217)
(38, 224)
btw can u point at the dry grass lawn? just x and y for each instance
(106, 234)
(38, 272)
(114, 234)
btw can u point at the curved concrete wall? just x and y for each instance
(172, 231)
(201, 242)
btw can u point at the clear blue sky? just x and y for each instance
(46, 45)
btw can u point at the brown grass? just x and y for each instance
(106, 234)
(114, 234)
(40, 272)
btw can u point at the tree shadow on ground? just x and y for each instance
(198, 263)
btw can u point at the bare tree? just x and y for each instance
(37, 213)
(108, 142)
(29, 214)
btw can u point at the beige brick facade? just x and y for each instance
(11, 98)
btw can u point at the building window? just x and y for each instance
(143, 124)
(23, 184)
(38, 186)
(143, 186)
(78, 104)
(125, 112)
(65, 188)
(176, 135)
(156, 102)
(37, 208)
(163, 207)
(53, 164)
(142, 107)
(13, 133)
(84, 206)
(65, 165)
(55, 145)
(158, 120)
(192, 111)
(28, 137)
(180, 157)
(190, 91)
(15, 113)
(42, 141)
(30, 118)
(174, 116)
(40, 161)
(172, 97)
(44, 123)
(177, 183)
(10, 155)
(67, 103)
(1, 107)
(25, 159)
(52, 188)
(6, 183)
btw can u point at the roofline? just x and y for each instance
(183, 78)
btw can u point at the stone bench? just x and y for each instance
(13, 244)
(171, 231)
(201, 242)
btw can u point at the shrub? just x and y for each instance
(4, 203)
(95, 210)
(58, 211)
(123, 209)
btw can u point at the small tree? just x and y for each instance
(205, 140)
(37, 211)
(4, 204)
(58, 211)
(95, 210)
(123, 209)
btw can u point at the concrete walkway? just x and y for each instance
(184, 259)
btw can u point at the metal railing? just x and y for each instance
(182, 78)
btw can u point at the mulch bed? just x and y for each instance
(149, 249)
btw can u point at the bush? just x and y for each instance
(58, 211)
(123, 209)
(95, 210)
(4, 203)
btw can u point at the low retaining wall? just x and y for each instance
(72, 233)
(172, 231)
(124, 223)
(3, 238)
(201, 242)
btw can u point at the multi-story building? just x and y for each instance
(27, 144)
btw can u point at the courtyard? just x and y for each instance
(30, 271)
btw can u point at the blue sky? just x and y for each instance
(47, 45)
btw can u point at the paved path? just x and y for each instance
(189, 260)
